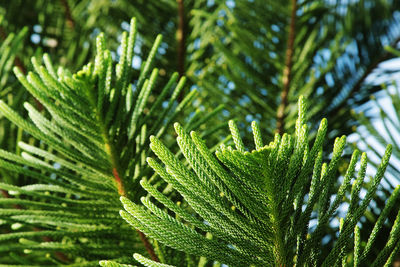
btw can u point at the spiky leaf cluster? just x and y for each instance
(10, 92)
(86, 148)
(256, 206)
(235, 50)
(380, 126)
(337, 44)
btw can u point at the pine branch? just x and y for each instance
(61, 256)
(96, 129)
(358, 85)
(110, 149)
(148, 263)
(252, 203)
(287, 71)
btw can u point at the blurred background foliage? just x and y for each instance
(254, 56)
(234, 52)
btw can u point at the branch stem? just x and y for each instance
(181, 39)
(148, 246)
(68, 17)
(181, 36)
(357, 86)
(116, 171)
(287, 71)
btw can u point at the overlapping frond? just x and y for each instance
(87, 147)
(246, 208)
(10, 90)
(83, 138)
(242, 51)
(380, 124)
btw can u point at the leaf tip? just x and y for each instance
(124, 200)
(178, 127)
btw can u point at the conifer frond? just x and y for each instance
(381, 125)
(88, 148)
(147, 262)
(113, 264)
(240, 50)
(256, 206)
(10, 91)
(9, 47)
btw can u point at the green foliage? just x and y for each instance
(336, 45)
(9, 90)
(257, 206)
(234, 51)
(78, 137)
(113, 264)
(380, 126)
(89, 147)
(388, 117)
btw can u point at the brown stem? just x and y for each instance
(148, 246)
(121, 189)
(3, 33)
(181, 38)
(121, 192)
(116, 171)
(287, 71)
(70, 21)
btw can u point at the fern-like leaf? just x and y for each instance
(89, 146)
(257, 205)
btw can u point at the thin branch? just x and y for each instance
(142, 236)
(122, 192)
(148, 246)
(68, 17)
(181, 39)
(181, 36)
(116, 171)
(368, 71)
(287, 71)
(357, 86)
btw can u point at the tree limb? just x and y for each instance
(181, 36)
(287, 71)
(357, 86)
(181, 39)
(70, 21)
(148, 246)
